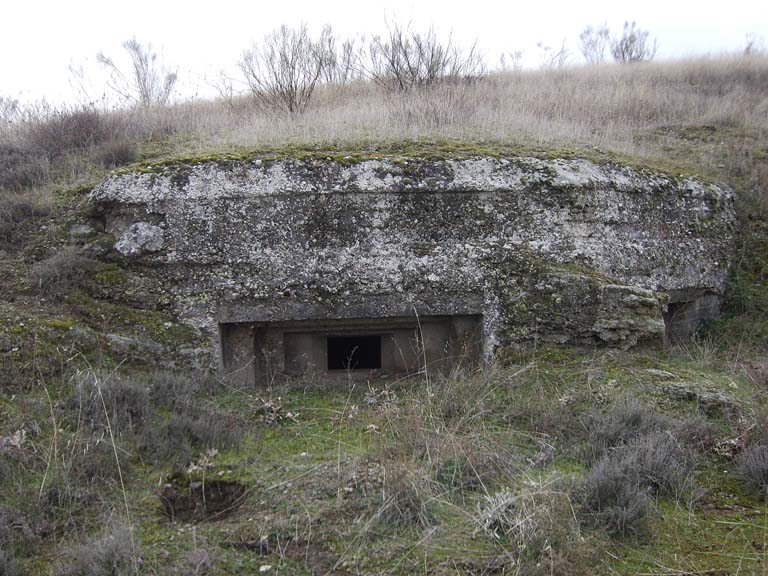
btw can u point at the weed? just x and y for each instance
(753, 470)
(407, 499)
(61, 274)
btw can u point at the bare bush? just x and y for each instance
(64, 130)
(61, 274)
(753, 470)
(283, 70)
(634, 45)
(553, 59)
(339, 61)
(406, 59)
(593, 42)
(148, 83)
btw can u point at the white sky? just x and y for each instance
(40, 38)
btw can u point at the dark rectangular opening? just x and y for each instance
(354, 352)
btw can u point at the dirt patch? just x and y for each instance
(200, 500)
(309, 554)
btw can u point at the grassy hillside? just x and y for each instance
(112, 461)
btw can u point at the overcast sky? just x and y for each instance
(40, 39)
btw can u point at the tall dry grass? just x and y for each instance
(613, 107)
(610, 106)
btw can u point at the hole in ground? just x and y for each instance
(197, 500)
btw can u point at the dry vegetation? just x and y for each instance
(543, 466)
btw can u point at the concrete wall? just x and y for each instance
(561, 251)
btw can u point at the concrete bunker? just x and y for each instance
(328, 350)
(317, 268)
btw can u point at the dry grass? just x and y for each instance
(605, 106)
(608, 106)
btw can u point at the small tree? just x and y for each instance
(340, 62)
(406, 59)
(149, 82)
(283, 71)
(593, 42)
(634, 45)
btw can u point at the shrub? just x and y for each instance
(122, 400)
(177, 391)
(111, 555)
(148, 83)
(407, 499)
(405, 59)
(17, 216)
(634, 45)
(616, 493)
(117, 153)
(283, 71)
(93, 462)
(177, 440)
(14, 528)
(65, 130)
(61, 274)
(21, 168)
(625, 420)
(753, 470)
(615, 501)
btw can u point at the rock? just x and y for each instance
(81, 231)
(713, 403)
(662, 374)
(139, 239)
(141, 348)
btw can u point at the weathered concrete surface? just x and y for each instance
(564, 251)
